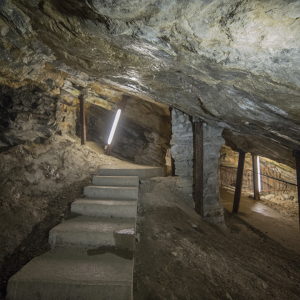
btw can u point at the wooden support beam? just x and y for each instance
(255, 177)
(82, 119)
(121, 106)
(172, 159)
(296, 154)
(199, 167)
(239, 182)
(173, 166)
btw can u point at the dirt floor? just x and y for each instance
(180, 256)
(276, 225)
(288, 208)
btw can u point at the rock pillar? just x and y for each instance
(182, 151)
(212, 144)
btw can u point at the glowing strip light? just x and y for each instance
(113, 129)
(258, 174)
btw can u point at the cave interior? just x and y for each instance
(231, 66)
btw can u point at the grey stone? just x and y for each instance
(231, 86)
(184, 164)
(186, 189)
(184, 181)
(182, 172)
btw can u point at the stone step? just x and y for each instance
(105, 208)
(111, 192)
(62, 274)
(91, 232)
(143, 172)
(116, 181)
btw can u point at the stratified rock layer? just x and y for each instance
(232, 63)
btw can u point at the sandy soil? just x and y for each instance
(288, 208)
(285, 206)
(180, 256)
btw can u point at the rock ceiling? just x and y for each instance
(235, 64)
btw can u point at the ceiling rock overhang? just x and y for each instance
(235, 64)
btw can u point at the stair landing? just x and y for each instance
(72, 274)
(128, 169)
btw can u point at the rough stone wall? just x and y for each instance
(182, 150)
(203, 66)
(212, 143)
(66, 115)
(28, 114)
(133, 140)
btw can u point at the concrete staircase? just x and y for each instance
(92, 254)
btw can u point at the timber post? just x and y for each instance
(239, 182)
(255, 177)
(199, 166)
(296, 154)
(82, 119)
(172, 159)
(173, 165)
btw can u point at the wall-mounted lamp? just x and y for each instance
(113, 129)
(258, 174)
(121, 109)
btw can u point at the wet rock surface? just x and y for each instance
(234, 64)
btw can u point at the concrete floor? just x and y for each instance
(281, 229)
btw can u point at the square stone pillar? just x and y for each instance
(212, 143)
(182, 151)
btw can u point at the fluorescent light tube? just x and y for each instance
(112, 133)
(258, 174)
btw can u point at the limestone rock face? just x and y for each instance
(234, 63)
